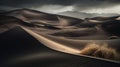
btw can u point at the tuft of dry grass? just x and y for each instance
(102, 51)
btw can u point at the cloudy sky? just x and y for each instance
(57, 6)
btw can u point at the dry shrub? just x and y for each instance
(102, 51)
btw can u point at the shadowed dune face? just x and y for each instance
(76, 33)
(102, 51)
(112, 27)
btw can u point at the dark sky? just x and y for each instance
(75, 5)
(27, 3)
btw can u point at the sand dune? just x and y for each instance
(28, 15)
(63, 33)
(77, 44)
(20, 49)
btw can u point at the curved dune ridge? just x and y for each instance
(52, 44)
(91, 49)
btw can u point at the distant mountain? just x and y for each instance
(76, 14)
(84, 15)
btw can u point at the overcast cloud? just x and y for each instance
(56, 6)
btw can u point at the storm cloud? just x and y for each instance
(56, 6)
(21, 3)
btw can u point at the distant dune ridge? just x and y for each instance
(69, 29)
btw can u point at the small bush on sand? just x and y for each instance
(102, 51)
